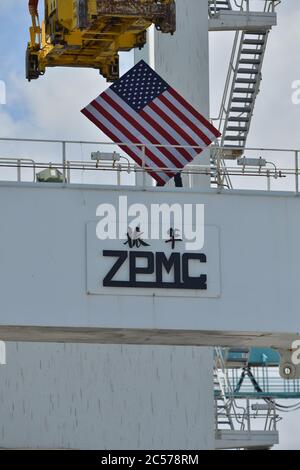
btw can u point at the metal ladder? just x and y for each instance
(241, 90)
(223, 406)
(214, 6)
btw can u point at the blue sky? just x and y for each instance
(14, 37)
(29, 103)
(25, 100)
(51, 105)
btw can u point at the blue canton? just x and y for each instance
(140, 86)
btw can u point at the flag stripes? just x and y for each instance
(141, 108)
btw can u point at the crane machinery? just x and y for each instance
(91, 33)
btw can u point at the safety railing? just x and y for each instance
(19, 164)
(244, 412)
(21, 160)
(252, 417)
(241, 5)
(245, 5)
(268, 5)
(234, 412)
(268, 380)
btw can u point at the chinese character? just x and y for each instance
(174, 234)
(134, 238)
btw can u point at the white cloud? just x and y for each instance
(49, 108)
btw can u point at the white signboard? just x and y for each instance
(153, 267)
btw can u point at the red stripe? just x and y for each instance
(185, 119)
(195, 113)
(189, 140)
(129, 151)
(130, 136)
(167, 136)
(142, 130)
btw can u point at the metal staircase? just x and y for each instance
(244, 74)
(242, 83)
(241, 421)
(242, 89)
(214, 6)
(240, 92)
(222, 405)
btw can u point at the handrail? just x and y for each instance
(232, 404)
(19, 163)
(244, 5)
(236, 414)
(218, 170)
(106, 143)
(268, 383)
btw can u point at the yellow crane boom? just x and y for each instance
(91, 33)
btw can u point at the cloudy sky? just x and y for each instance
(49, 107)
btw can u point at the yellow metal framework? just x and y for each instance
(91, 33)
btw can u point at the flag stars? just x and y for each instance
(139, 86)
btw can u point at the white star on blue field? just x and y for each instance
(140, 86)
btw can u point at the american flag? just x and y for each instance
(141, 108)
